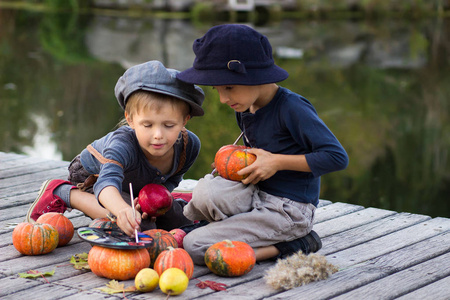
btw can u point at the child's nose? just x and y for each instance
(223, 99)
(158, 133)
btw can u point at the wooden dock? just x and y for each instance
(380, 254)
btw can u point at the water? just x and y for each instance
(381, 86)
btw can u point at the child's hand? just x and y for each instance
(262, 168)
(138, 208)
(127, 222)
(144, 214)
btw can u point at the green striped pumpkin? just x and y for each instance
(230, 258)
(35, 238)
(174, 258)
(162, 240)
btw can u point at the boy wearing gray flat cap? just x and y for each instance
(153, 148)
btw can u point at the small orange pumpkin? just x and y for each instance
(117, 264)
(230, 159)
(105, 223)
(174, 258)
(230, 258)
(162, 239)
(61, 223)
(35, 238)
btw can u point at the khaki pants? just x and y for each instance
(242, 213)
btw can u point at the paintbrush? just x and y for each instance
(134, 212)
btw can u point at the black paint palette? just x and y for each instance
(113, 238)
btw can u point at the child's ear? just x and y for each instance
(188, 117)
(129, 119)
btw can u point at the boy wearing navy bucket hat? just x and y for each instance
(154, 147)
(273, 208)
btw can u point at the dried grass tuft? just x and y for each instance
(297, 270)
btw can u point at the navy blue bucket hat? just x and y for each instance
(233, 54)
(152, 76)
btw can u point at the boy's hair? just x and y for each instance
(141, 100)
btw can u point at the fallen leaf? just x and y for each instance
(36, 273)
(80, 261)
(114, 287)
(216, 286)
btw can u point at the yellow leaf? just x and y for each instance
(114, 287)
(80, 261)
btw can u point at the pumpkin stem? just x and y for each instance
(170, 248)
(229, 243)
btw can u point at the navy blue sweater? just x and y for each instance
(122, 146)
(289, 124)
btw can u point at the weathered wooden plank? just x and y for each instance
(26, 190)
(18, 181)
(15, 200)
(5, 157)
(439, 290)
(11, 284)
(323, 202)
(10, 213)
(390, 242)
(349, 221)
(364, 273)
(255, 289)
(94, 295)
(29, 165)
(404, 281)
(334, 210)
(24, 263)
(367, 232)
(33, 168)
(44, 291)
(14, 212)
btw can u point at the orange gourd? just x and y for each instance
(35, 238)
(162, 239)
(174, 258)
(118, 264)
(230, 258)
(230, 159)
(61, 223)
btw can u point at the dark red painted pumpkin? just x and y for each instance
(232, 158)
(117, 264)
(61, 223)
(230, 258)
(35, 239)
(162, 240)
(174, 258)
(155, 199)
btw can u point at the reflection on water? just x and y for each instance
(42, 144)
(382, 88)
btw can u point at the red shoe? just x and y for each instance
(46, 201)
